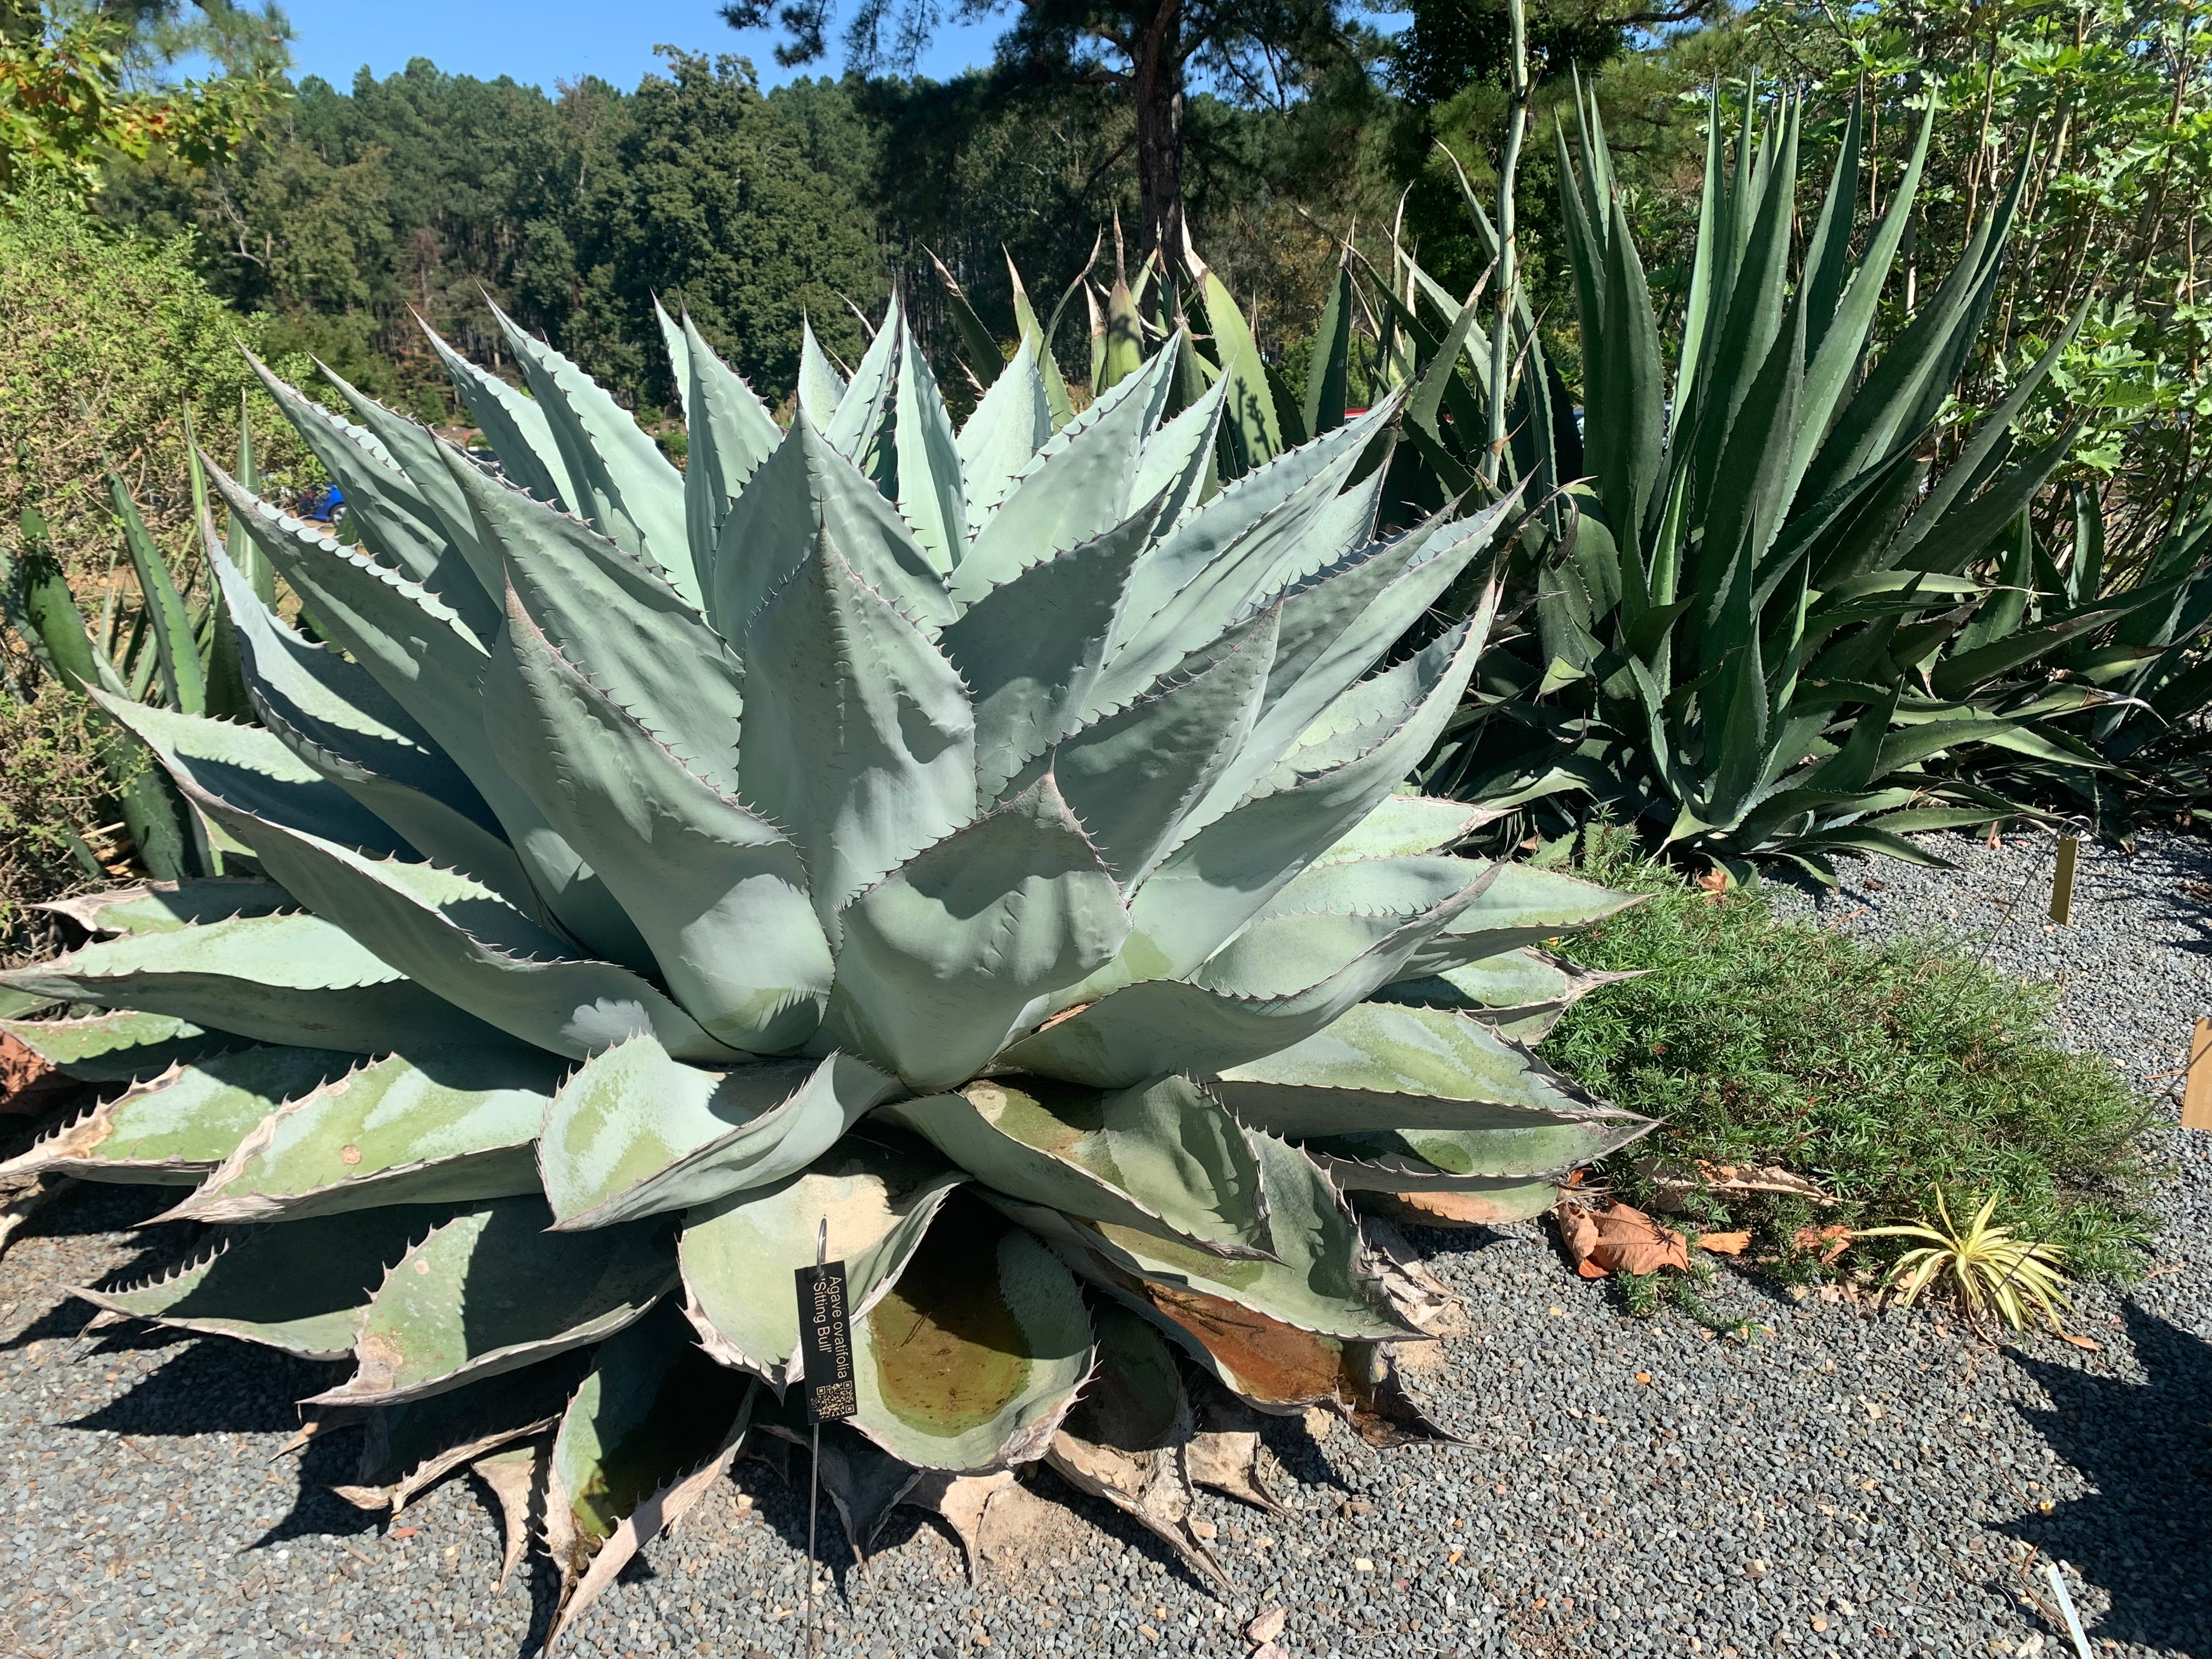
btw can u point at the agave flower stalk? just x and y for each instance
(981, 839)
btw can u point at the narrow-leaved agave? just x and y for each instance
(987, 842)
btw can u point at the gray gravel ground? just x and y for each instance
(1846, 1484)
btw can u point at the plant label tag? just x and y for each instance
(2062, 879)
(826, 1341)
(2196, 1083)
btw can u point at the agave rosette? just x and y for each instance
(987, 841)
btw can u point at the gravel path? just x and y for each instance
(1847, 1483)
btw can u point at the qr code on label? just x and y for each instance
(834, 1399)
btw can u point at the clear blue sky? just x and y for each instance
(543, 42)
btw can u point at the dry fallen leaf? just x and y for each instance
(1830, 1241)
(1724, 1244)
(1617, 1239)
(26, 1077)
(2091, 1344)
(1674, 1183)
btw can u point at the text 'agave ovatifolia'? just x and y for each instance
(987, 840)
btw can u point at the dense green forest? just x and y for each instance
(424, 191)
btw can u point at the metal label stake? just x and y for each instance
(827, 1348)
(2062, 879)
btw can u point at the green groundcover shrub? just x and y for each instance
(103, 336)
(1879, 1073)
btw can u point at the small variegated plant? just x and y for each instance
(987, 842)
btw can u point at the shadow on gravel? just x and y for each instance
(2146, 1533)
(86, 1207)
(214, 1385)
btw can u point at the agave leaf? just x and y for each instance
(1132, 1033)
(929, 472)
(1327, 377)
(335, 703)
(860, 429)
(415, 648)
(408, 1448)
(423, 490)
(1839, 339)
(162, 907)
(1177, 463)
(1280, 1368)
(1124, 338)
(731, 432)
(492, 1291)
(515, 426)
(804, 487)
(625, 487)
(860, 738)
(397, 523)
(821, 387)
(1030, 649)
(256, 765)
(634, 1133)
(1519, 994)
(514, 1476)
(184, 677)
(1882, 406)
(175, 1127)
(1229, 556)
(1132, 777)
(1011, 423)
(718, 893)
(865, 1484)
(963, 1503)
(1497, 1147)
(739, 1252)
(1125, 1441)
(339, 723)
(1965, 671)
(641, 641)
(304, 1288)
(285, 979)
(1321, 1282)
(1407, 826)
(1077, 490)
(971, 1360)
(1524, 905)
(1336, 626)
(653, 1409)
(1040, 338)
(1162, 1157)
(1218, 879)
(455, 939)
(1255, 429)
(451, 1126)
(1381, 887)
(1395, 1069)
(1280, 956)
(939, 959)
(113, 1047)
(979, 347)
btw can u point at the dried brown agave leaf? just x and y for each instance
(963, 1503)
(514, 1477)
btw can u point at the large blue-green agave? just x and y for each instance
(987, 842)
